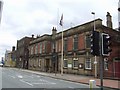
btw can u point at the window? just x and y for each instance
(75, 62)
(36, 49)
(39, 62)
(88, 41)
(106, 64)
(60, 45)
(88, 63)
(44, 45)
(40, 48)
(53, 46)
(65, 62)
(32, 50)
(75, 47)
(65, 45)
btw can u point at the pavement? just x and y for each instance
(108, 83)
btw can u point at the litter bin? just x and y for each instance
(92, 84)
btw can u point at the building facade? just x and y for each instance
(9, 61)
(22, 52)
(45, 51)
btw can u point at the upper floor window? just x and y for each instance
(40, 48)
(88, 41)
(53, 46)
(44, 45)
(75, 41)
(36, 49)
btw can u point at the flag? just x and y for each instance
(61, 20)
(93, 13)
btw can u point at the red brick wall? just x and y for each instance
(70, 43)
(81, 44)
(38, 47)
(48, 47)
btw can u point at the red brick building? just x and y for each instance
(22, 52)
(45, 51)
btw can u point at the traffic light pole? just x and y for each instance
(101, 63)
(95, 62)
(101, 72)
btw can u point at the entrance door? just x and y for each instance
(47, 64)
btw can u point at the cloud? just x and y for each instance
(26, 17)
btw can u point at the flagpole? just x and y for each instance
(61, 24)
(62, 54)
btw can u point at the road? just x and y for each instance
(16, 78)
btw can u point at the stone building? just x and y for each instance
(10, 58)
(44, 52)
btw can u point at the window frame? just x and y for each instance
(88, 41)
(66, 64)
(74, 60)
(88, 67)
(75, 42)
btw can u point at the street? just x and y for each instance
(16, 78)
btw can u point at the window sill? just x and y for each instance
(75, 67)
(88, 68)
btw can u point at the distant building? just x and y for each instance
(8, 58)
(22, 52)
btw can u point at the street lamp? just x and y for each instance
(95, 62)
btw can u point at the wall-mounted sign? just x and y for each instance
(81, 66)
(69, 65)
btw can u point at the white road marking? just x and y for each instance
(43, 83)
(26, 82)
(70, 87)
(38, 76)
(20, 76)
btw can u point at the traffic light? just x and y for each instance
(106, 44)
(95, 50)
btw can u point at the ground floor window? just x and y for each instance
(65, 63)
(88, 63)
(39, 62)
(75, 62)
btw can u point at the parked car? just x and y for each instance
(1, 65)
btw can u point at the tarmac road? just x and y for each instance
(16, 78)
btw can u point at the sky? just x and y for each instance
(22, 18)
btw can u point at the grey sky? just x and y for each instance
(26, 17)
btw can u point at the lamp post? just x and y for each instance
(95, 62)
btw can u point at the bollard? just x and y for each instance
(92, 84)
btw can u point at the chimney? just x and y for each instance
(54, 31)
(32, 36)
(13, 48)
(109, 20)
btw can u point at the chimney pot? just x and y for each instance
(109, 20)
